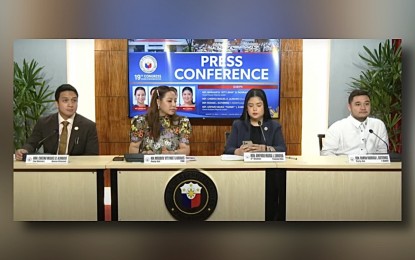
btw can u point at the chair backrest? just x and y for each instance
(226, 139)
(320, 140)
(227, 135)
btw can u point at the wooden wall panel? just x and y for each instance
(206, 148)
(117, 71)
(290, 121)
(111, 45)
(208, 138)
(291, 74)
(206, 132)
(293, 149)
(292, 45)
(113, 111)
(101, 73)
(116, 129)
(104, 148)
(203, 133)
(118, 148)
(101, 116)
(119, 124)
(111, 73)
(113, 148)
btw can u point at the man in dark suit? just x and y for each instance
(81, 133)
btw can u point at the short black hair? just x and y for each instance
(357, 92)
(64, 87)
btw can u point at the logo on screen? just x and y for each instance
(148, 64)
(190, 195)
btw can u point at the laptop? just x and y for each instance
(134, 157)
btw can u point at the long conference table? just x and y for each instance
(317, 189)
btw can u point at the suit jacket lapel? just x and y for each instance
(74, 135)
(54, 125)
(267, 130)
(247, 131)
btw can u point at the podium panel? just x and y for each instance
(319, 188)
(341, 195)
(55, 195)
(60, 191)
(241, 194)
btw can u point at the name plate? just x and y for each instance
(160, 158)
(264, 157)
(49, 158)
(378, 158)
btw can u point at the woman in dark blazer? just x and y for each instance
(256, 125)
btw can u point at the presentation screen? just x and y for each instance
(211, 76)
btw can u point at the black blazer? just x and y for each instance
(241, 131)
(83, 139)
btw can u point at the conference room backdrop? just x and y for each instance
(312, 71)
(208, 136)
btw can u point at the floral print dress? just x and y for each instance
(171, 135)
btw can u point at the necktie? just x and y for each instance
(64, 138)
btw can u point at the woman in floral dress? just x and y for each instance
(161, 130)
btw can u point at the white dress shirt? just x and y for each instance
(350, 136)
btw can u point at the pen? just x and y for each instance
(289, 157)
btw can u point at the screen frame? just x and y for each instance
(131, 98)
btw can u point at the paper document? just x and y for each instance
(231, 157)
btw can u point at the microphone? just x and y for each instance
(394, 157)
(387, 146)
(40, 143)
(263, 135)
(262, 131)
(141, 147)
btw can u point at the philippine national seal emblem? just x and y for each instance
(190, 195)
(148, 64)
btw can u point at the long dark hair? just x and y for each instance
(256, 92)
(153, 116)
